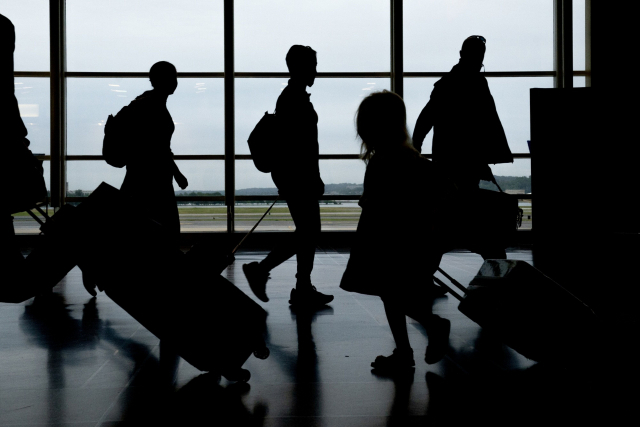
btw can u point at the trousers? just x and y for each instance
(305, 213)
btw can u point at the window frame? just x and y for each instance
(563, 74)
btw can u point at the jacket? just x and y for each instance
(468, 134)
(297, 171)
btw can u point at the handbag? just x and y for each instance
(481, 218)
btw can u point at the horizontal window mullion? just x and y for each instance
(83, 157)
(101, 74)
(486, 74)
(73, 158)
(286, 75)
(245, 198)
(31, 74)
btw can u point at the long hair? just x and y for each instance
(381, 122)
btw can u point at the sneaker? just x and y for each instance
(257, 279)
(309, 297)
(398, 361)
(438, 341)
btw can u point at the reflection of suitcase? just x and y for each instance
(179, 298)
(530, 312)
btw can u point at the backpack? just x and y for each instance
(262, 142)
(116, 138)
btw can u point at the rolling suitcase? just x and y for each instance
(180, 298)
(49, 262)
(530, 312)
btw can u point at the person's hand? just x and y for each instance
(182, 181)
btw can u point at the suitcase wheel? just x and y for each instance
(262, 353)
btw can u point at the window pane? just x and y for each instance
(519, 34)
(31, 21)
(35, 106)
(511, 95)
(250, 181)
(339, 176)
(579, 35)
(335, 100)
(204, 176)
(348, 36)
(124, 35)
(22, 221)
(85, 176)
(197, 108)
(342, 176)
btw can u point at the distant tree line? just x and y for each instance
(509, 183)
(199, 202)
(505, 182)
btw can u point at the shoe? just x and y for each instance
(399, 361)
(438, 341)
(309, 297)
(257, 279)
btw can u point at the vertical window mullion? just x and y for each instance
(397, 68)
(229, 118)
(58, 101)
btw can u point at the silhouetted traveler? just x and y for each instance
(392, 262)
(297, 176)
(468, 134)
(21, 172)
(150, 165)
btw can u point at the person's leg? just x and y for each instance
(279, 254)
(398, 324)
(257, 273)
(402, 357)
(306, 216)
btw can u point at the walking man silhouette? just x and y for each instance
(468, 134)
(296, 174)
(150, 165)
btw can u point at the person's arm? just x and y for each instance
(424, 124)
(179, 177)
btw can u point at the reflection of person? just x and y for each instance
(468, 134)
(150, 165)
(386, 261)
(297, 176)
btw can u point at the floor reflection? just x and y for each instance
(67, 359)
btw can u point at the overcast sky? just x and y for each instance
(349, 35)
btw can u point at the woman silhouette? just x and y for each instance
(150, 165)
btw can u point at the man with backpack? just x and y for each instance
(296, 174)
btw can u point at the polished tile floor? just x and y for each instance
(67, 359)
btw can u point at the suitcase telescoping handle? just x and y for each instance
(41, 212)
(254, 227)
(453, 281)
